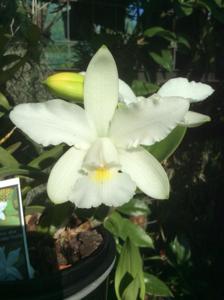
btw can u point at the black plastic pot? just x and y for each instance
(73, 283)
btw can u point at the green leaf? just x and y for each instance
(4, 102)
(164, 59)
(12, 148)
(7, 160)
(220, 3)
(150, 32)
(134, 207)
(132, 290)
(183, 41)
(129, 278)
(184, 8)
(181, 250)
(142, 88)
(55, 216)
(22, 171)
(216, 10)
(159, 31)
(47, 157)
(156, 287)
(124, 228)
(165, 148)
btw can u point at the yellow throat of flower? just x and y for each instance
(101, 174)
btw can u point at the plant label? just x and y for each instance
(14, 257)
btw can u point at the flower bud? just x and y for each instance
(66, 85)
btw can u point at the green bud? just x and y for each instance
(66, 85)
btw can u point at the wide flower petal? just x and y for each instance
(92, 190)
(146, 172)
(101, 90)
(64, 175)
(126, 95)
(101, 153)
(194, 119)
(181, 87)
(53, 122)
(147, 121)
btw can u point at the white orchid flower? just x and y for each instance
(176, 87)
(3, 205)
(7, 270)
(105, 162)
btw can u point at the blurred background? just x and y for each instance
(151, 41)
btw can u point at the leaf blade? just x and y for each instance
(156, 287)
(7, 160)
(164, 149)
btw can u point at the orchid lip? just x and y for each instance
(101, 174)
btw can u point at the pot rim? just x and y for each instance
(66, 282)
(92, 286)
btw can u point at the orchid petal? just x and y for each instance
(101, 153)
(181, 87)
(53, 122)
(64, 175)
(194, 119)
(147, 121)
(101, 90)
(126, 95)
(146, 172)
(114, 191)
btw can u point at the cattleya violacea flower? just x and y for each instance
(105, 162)
(177, 87)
